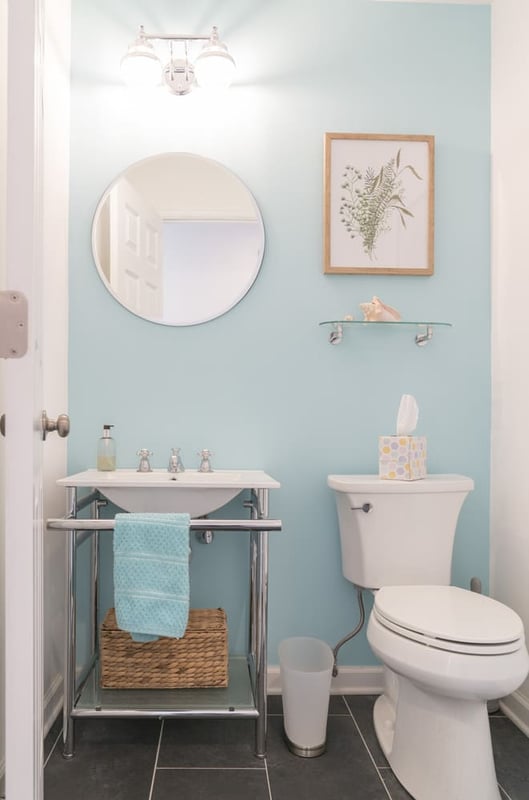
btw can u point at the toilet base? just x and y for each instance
(438, 747)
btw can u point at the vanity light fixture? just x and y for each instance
(212, 68)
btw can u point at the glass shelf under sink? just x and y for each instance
(235, 700)
(423, 335)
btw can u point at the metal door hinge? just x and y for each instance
(13, 324)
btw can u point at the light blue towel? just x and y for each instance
(151, 574)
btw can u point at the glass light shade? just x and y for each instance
(141, 67)
(214, 67)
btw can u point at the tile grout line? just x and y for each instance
(156, 760)
(388, 769)
(211, 769)
(268, 779)
(367, 748)
(502, 790)
(52, 749)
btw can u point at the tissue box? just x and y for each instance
(402, 458)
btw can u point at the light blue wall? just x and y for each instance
(261, 386)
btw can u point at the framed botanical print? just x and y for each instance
(378, 204)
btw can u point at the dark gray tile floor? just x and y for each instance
(143, 759)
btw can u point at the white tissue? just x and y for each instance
(408, 415)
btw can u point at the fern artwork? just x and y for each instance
(378, 204)
(373, 200)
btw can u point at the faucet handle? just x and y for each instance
(144, 465)
(205, 462)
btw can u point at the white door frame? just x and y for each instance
(23, 404)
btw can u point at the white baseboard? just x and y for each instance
(52, 703)
(350, 680)
(516, 707)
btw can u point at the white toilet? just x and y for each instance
(446, 651)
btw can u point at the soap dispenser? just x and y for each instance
(106, 451)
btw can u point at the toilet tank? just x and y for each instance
(406, 536)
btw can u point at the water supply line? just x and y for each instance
(357, 629)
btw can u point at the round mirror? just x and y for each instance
(178, 239)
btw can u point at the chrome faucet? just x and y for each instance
(205, 462)
(144, 465)
(175, 462)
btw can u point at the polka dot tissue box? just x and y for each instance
(402, 458)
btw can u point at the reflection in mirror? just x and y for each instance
(178, 239)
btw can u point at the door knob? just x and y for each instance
(3, 424)
(61, 425)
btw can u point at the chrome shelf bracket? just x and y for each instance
(336, 335)
(424, 337)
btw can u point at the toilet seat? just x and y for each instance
(449, 618)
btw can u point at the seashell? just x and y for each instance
(377, 311)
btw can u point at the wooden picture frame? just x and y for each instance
(378, 204)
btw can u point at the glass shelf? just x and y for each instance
(236, 700)
(423, 335)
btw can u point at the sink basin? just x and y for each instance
(196, 493)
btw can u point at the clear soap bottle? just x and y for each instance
(106, 451)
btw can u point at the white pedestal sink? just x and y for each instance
(196, 493)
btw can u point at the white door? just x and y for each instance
(3, 103)
(23, 404)
(35, 156)
(136, 256)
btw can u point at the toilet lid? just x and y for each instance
(449, 618)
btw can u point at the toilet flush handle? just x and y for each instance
(366, 508)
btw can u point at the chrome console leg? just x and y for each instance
(261, 617)
(95, 582)
(69, 660)
(252, 616)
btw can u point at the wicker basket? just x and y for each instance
(198, 659)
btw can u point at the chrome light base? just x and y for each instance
(179, 76)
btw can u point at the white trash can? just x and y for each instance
(305, 666)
